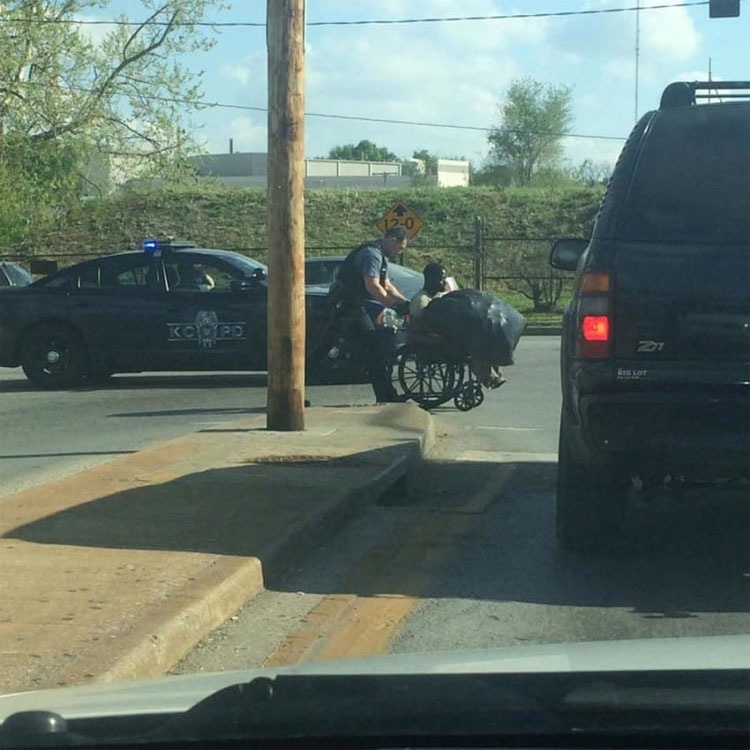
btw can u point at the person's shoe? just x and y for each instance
(307, 403)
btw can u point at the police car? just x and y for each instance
(171, 306)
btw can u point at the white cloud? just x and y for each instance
(487, 35)
(237, 73)
(249, 73)
(621, 69)
(93, 33)
(247, 133)
(446, 73)
(669, 34)
(696, 75)
(455, 72)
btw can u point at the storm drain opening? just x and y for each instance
(396, 494)
(450, 486)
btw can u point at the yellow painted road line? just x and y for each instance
(387, 585)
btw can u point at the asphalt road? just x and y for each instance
(469, 559)
(46, 434)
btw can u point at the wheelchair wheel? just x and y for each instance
(469, 395)
(430, 384)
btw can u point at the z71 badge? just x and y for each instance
(648, 347)
(206, 330)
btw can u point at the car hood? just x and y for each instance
(176, 694)
(316, 290)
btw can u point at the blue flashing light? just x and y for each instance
(156, 247)
(159, 246)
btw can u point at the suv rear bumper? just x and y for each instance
(693, 433)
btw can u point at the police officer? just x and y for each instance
(363, 276)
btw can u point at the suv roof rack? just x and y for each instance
(685, 93)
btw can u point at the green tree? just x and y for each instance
(534, 118)
(495, 175)
(430, 160)
(363, 151)
(68, 102)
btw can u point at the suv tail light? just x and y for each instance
(595, 328)
(594, 339)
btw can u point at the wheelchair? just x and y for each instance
(427, 372)
(423, 368)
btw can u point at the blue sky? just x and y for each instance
(457, 72)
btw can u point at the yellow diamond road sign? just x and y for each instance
(400, 214)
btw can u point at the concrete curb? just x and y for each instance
(306, 538)
(157, 643)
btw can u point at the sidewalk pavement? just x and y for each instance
(116, 572)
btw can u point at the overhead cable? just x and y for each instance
(366, 22)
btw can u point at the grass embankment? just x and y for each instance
(335, 220)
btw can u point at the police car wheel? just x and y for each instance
(54, 357)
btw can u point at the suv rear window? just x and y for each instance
(692, 182)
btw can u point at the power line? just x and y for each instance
(511, 16)
(358, 118)
(118, 22)
(460, 127)
(365, 22)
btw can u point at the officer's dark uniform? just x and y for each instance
(368, 346)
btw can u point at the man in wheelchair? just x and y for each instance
(431, 338)
(434, 286)
(419, 334)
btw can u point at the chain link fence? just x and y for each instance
(514, 267)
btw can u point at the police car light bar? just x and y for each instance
(156, 246)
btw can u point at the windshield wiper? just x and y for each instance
(363, 706)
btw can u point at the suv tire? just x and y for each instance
(590, 501)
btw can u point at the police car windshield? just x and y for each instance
(244, 264)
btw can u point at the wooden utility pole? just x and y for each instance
(285, 38)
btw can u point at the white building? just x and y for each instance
(250, 169)
(452, 173)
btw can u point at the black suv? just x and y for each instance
(655, 362)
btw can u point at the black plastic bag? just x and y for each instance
(476, 325)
